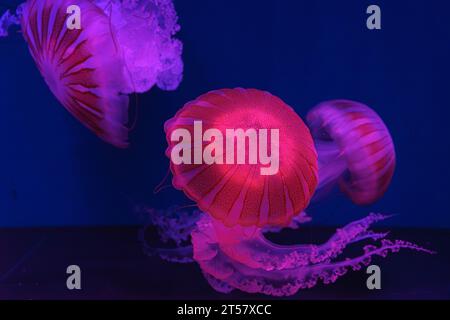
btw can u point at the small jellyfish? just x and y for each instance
(238, 192)
(239, 256)
(121, 47)
(355, 149)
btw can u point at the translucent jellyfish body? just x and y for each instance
(354, 147)
(123, 46)
(238, 192)
(144, 31)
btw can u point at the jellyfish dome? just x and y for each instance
(120, 47)
(355, 149)
(233, 189)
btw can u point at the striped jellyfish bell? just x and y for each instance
(354, 147)
(237, 193)
(83, 67)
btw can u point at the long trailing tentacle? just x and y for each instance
(174, 227)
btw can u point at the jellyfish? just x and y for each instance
(239, 192)
(355, 149)
(121, 47)
(238, 255)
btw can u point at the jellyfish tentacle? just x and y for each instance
(172, 224)
(296, 222)
(9, 19)
(370, 235)
(176, 255)
(218, 285)
(145, 30)
(174, 227)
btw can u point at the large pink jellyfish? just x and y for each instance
(355, 149)
(239, 193)
(241, 257)
(123, 46)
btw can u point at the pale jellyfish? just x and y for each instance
(355, 149)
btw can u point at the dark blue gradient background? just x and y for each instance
(54, 172)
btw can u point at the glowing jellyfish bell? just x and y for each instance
(355, 149)
(238, 192)
(123, 46)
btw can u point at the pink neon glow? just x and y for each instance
(238, 193)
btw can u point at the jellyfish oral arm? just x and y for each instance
(331, 163)
(242, 258)
(174, 227)
(256, 265)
